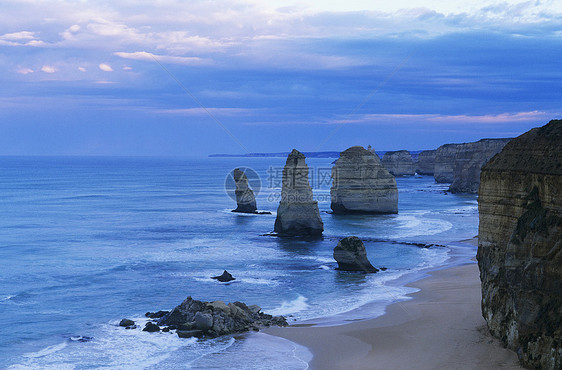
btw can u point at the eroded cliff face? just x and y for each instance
(245, 199)
(520, 246)
(426, 162)
(361, 184)
(399, 163)
(445, 157)
(469, 161)
(297, 214)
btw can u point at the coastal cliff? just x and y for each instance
(426, 162)
(520, 246)
(297, 214)
(399, 163)
(469, 161)
(361, 184)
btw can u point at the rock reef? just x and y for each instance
(297, 214)
(426, 162)
(350, 254)
(193, 318)
(245, 199)
(520, 246)
(399, 163)
(361, 184)
(469, 161)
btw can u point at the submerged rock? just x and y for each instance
(213, 319)
(426, 162)
(520, 246)
(350, 254)
(399, 163)
(126, 322)
(297, 214)
(361, 184)
(245, 199)
(225, 277)
(151, 327)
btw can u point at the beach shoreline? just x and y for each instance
(441, 327)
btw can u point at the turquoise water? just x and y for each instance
(85, 242)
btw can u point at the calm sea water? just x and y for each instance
(85, 242)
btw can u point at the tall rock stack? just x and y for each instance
(399, 163)
(426, 162)
(245, 199)
(361, 184)
(469, 161)
(298, 213)
(520, 246)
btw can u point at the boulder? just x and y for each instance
(297, 214)
(216, 318)
(426, 162)
(245, 199)
(399, 163)
(520, 246)
(361, 184)
(151, 327)
(126, 322)
(350, 254)
(225, 277)
(156, 315)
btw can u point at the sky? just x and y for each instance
(192, 78)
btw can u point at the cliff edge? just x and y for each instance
(520, 246)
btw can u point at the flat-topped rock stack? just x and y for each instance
(245, 199)
(399, 163)
(469, 161)
(297, 214)
(520, 246)
(361, 184)
(426, 162)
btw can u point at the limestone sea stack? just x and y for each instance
(520, 246)
(245, 199)
(350, 254)
(297, 214)
(426, 162)
(399, 163)
(469, 162)
(361, 184)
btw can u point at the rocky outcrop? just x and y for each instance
(426, 162)
(245, 199)
(225, 277)
(350, 254)
(460, 164)
(399, 163)
(361, 184)
(520, 246)
(193, 318)
(297, 214)
(469, 161)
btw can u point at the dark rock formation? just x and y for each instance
(126, 323)
(426, 162)
(520, 246)
(297, 214)
(212, 319)
(361, 184)
(469, 162)
(156, 315)
(151, 327)
(445, 159)
(350, 254)
(399, 163)
(225, 277)
(245, 199)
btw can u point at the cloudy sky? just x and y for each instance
(209, 76)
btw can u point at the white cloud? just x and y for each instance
(105, 67)
(25, 71)
(127, 68)
(146, 56)
(16, 36)
(206, 111)
(48, 69)
(82, 69)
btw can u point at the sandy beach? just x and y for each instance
(440, 328)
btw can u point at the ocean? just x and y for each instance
(87, 241)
